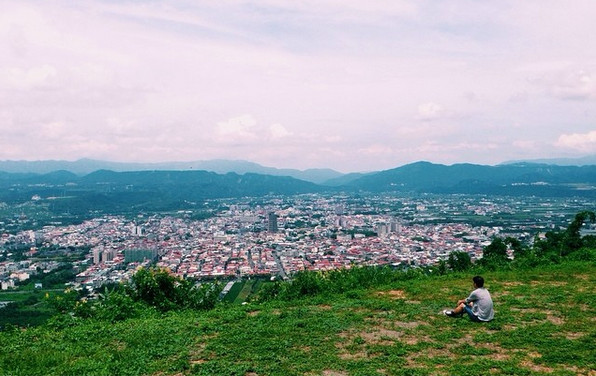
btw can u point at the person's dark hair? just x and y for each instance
(478, 281)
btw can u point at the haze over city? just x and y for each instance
(349, 85)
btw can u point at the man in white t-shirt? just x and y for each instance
(478, 306)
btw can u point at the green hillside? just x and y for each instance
(544, 325)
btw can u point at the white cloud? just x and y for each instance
(567, 84)
(377, 149)
(278, 131)
(43, 76)
(526, 145)
(430, 111)
(240, 128)
(582, 142)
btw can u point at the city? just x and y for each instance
(275, 237)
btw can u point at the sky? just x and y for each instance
(353, 85)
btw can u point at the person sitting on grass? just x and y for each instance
(478, 306)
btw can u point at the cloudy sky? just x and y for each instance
(353, 85)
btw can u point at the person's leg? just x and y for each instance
(459, 309)
(456, 312)
(471, 314)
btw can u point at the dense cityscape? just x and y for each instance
(278, 236)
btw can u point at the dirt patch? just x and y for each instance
(395, 294)
(381, 337)
(415, 339)
(584, 277)
(580, 371)
(573, 335)
(509, 284)
(499, 352)
(251, 374)
(534, 355)
(120, 346)
(407, 325)
(330, 372)
(535, 367)
(325, 307)
(198, 355)
(584, 307)
(549, 283)
(550, 315)
(352, 356)
(413, 302)
(412, 360)
(555, 319)
(343, 352)
(253, 313)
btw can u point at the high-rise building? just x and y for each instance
(97, 255)
(272, 222)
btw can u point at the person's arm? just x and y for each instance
(472, 298)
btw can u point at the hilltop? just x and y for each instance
(544, 325)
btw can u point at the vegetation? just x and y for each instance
(362, 321)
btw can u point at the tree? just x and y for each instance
(459, 261)
(519, 250)
(164, 291)
(560, 244)
(495, 253)
(571, 239)
(156, 287)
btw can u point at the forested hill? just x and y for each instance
(513, 179)
(114, 192)
(108, 190)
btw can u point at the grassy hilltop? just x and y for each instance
(545, 324)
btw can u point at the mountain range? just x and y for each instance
(419, 177)
(221, 166)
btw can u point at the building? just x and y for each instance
(139, 255)
(272, 222)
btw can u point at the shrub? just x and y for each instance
(459, 261)
(164, 291)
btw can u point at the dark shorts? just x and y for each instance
(471, 314)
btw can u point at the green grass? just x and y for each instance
(544, 324)
(234, 291)
(247, 289)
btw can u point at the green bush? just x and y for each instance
(164, 291)
(583, 254)
(459, 261)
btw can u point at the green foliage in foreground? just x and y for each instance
(543, 325)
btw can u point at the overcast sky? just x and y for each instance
(354, 85)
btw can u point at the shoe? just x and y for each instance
(450, 313)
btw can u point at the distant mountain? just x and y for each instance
(344, 179)
(582, 161)
(113, 192)
(512, 179)
(220, 166)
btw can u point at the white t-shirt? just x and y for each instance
(482, 304)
